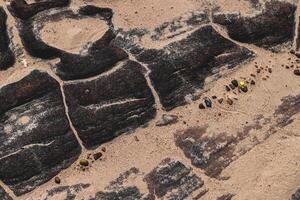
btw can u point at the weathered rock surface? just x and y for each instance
(110, 104)
(23, 10)
(296, 195)
(130, 193)
(36, 141)
(4, 195)
(70, 192)
(99, 56)
(7, 58)
(273, 26)
(172, 180)
(180, 68)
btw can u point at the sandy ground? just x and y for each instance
(269, 170)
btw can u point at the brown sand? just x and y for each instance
(268, 171)
(71, 35)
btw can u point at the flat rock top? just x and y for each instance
(181, 99)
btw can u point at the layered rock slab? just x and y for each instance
(110, 104)
(98, 57)
(172, 180)
(272, 26)
(7, 58)
(180, 68)
(36, 141)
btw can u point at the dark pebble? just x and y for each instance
(214, 97)
(227, 88)
(244, 89)
(252, 82)
(98, 155)
(201, 106)
(208, 103)
(57, 180)
(229, 101)
(297, 72)
(258, 71)
(235, 83)
(232, 86)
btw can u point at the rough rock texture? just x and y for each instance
(7, 58)
(69, 191)
(4, 195)
(296, 195)
(172, 180)
(23, 10)
(130, 193)
(36, 141)
(110, 104)
(180, 68)
(99, 57)
(211, 154)
(273, 26)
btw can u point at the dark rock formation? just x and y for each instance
(110, 104)
(285, 112)
(36, 141)
(70, 191)
(180, 68)
(226, 197)
(23, 10)
(211, 153)
(273, 26)
(130, 193)
(296, 195)
(99, 57)
(172, 180)
(4, 195)
(7, 58)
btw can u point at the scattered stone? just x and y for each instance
(270, 70)
(253, 75)
(84, 162)
(136, 138)
(97, 155)
(103, 149)
(244, 89)
(201, 106)
(214, 97)
(167, 119)
(220, 100)
(232, 86)
(229, 101)
(227, 88)
(235, 83)
(297, 72)
(57, 180)
(252, 82)
(226, 197)
(208, 102)
(264, 78)
(258, 71)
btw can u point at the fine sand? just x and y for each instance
(266, 165)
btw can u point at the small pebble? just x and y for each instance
(297, 72)
(57, 180)
(220, 100)
(229, 101)
(201, 106)
(103, 149)
(84, 162)
(214, 97)
(232, 86)
(235, 83)
(98, 155)
(208, 102)
(252, 82)
(227, 88)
